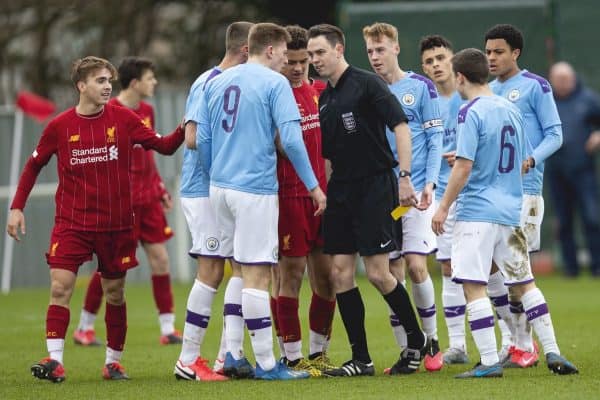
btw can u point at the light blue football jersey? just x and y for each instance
(449, 107)
(419, 99)
(490, 133)
(238, 118)
(194, 179)
(532, 94)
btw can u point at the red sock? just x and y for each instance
(116, 326)
(57, 321)
(275, 317)
(93, 295)
(163, 296)
(320, 315)
(289, 323)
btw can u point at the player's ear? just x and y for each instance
(339, 49)
(269, 51)
(516, 53)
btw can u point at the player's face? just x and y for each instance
(437, 64)
(97, 87)
(323, 56)
(145, 85)
(277, 56)
(502, 60)
(383, 54)
(296, 67)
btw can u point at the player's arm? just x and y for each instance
(404, 150)
(293, 146)
(38, 159)
(190, 135)
(549, 120)
(148, 137)
(434, 130)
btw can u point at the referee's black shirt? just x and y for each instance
(353, 116)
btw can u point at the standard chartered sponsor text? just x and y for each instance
(310, 121)
(91, 155)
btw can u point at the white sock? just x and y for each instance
(56, 348)
(481, 321)
(112, 356)
(281, 346)
(86, 320)
(257, 314)
(222, 345)
(167, 323)
(524, 338)
(317, 342)
(293, 350)
(455, 306)
(424, 297)
(498, 293)
(398, 330)
(199, 307)
(538, 315)
(232, 315)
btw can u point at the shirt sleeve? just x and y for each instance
(467, 136)
(149, 139)
(434, 130)
(295, 150)
(549, 120)
(204, 133)
(47, 146)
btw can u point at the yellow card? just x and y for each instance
(399, 212)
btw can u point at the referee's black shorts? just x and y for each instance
(357, 217)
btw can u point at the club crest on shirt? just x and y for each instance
(514, 95)
(349, 122)
(316, 99)
(212, 244)
(53, 249)
(110, 135)
(408, 99)
(286, 241)
(146, 122)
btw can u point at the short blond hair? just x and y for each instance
(83, 67)
(380, 29)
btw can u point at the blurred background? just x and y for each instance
(40, 39)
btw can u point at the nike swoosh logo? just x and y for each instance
(322, 107)
(382, 245)
(527, 360)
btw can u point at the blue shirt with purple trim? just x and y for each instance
(490, 133)
(194, 179)
(419, 99)
(532, 94)
(449, 107)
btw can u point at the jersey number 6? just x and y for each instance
(506, 149)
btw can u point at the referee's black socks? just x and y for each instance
(352, 311)
(400, 304)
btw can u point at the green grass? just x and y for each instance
(574, 305)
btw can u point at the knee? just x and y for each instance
(115, 294)
(60, 292)
(158, 259)
(377, 278)
(446, 269)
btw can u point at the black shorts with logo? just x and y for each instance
(357, 217)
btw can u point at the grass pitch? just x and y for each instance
(574, 305)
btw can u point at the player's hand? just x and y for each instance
(166, 201)
(406, 192)
(426, 197)
(592, 145)
(437, 222)
(319, 200)
(16, 223)
(450, 157)
(528, 164)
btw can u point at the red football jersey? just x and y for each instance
(290, 184)
(146, 183)
(93, 158)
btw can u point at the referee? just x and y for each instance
(354, 110)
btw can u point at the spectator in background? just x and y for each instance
(572, 170)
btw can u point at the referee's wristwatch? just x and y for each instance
(404, 174)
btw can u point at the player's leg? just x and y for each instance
(208, 249)
(62, 282)
(398, 269)
(234, 319)
(498, 293)
(516, 268)
(116, 325)
(275, 285)
(472, 251)
(321, 309)
(418, 241)
(153, 233)
(85, 334)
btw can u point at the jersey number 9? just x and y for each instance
(231, 95)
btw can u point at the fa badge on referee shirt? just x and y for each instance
(349, 122)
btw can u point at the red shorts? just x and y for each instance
(150, 224)
(115, 250)
(299, 230)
